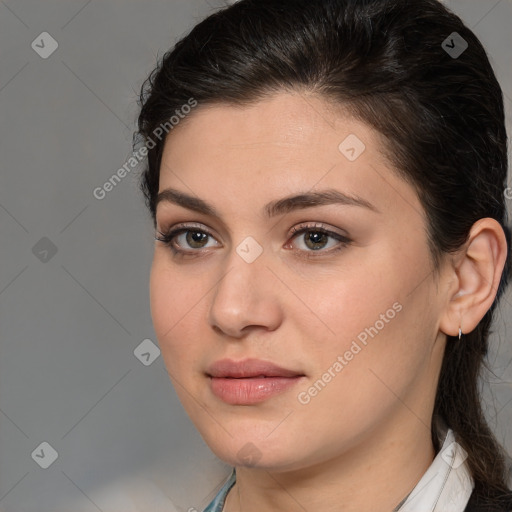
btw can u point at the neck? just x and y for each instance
(375, 474)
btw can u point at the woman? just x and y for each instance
(326, 179)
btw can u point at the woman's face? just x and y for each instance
(311, 255)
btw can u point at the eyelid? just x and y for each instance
(311, 226)
(185, 226)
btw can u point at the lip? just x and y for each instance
(227, 368)
(249, 381)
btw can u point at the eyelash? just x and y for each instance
(168, 239)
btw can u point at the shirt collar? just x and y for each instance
(447, 484)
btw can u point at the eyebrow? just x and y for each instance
(272, 209)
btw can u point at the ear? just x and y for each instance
(477, 271)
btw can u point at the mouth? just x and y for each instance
(249, 368)
(250, 381)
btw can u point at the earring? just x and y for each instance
(460, 333)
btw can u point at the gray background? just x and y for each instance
(69, 325)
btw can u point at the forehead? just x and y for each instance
(287, 143)
(285, 120)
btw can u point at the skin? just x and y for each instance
(364, 441)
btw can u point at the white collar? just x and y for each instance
(447, 485)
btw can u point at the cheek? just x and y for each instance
(369, 312)
(372, 357)
(175, 308)
(346, 302)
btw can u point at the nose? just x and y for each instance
(245, 298)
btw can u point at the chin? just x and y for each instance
(249, 452)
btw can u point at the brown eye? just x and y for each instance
(186, 239)
(196, 239)
(315, 239)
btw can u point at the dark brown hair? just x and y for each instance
(386, 61)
